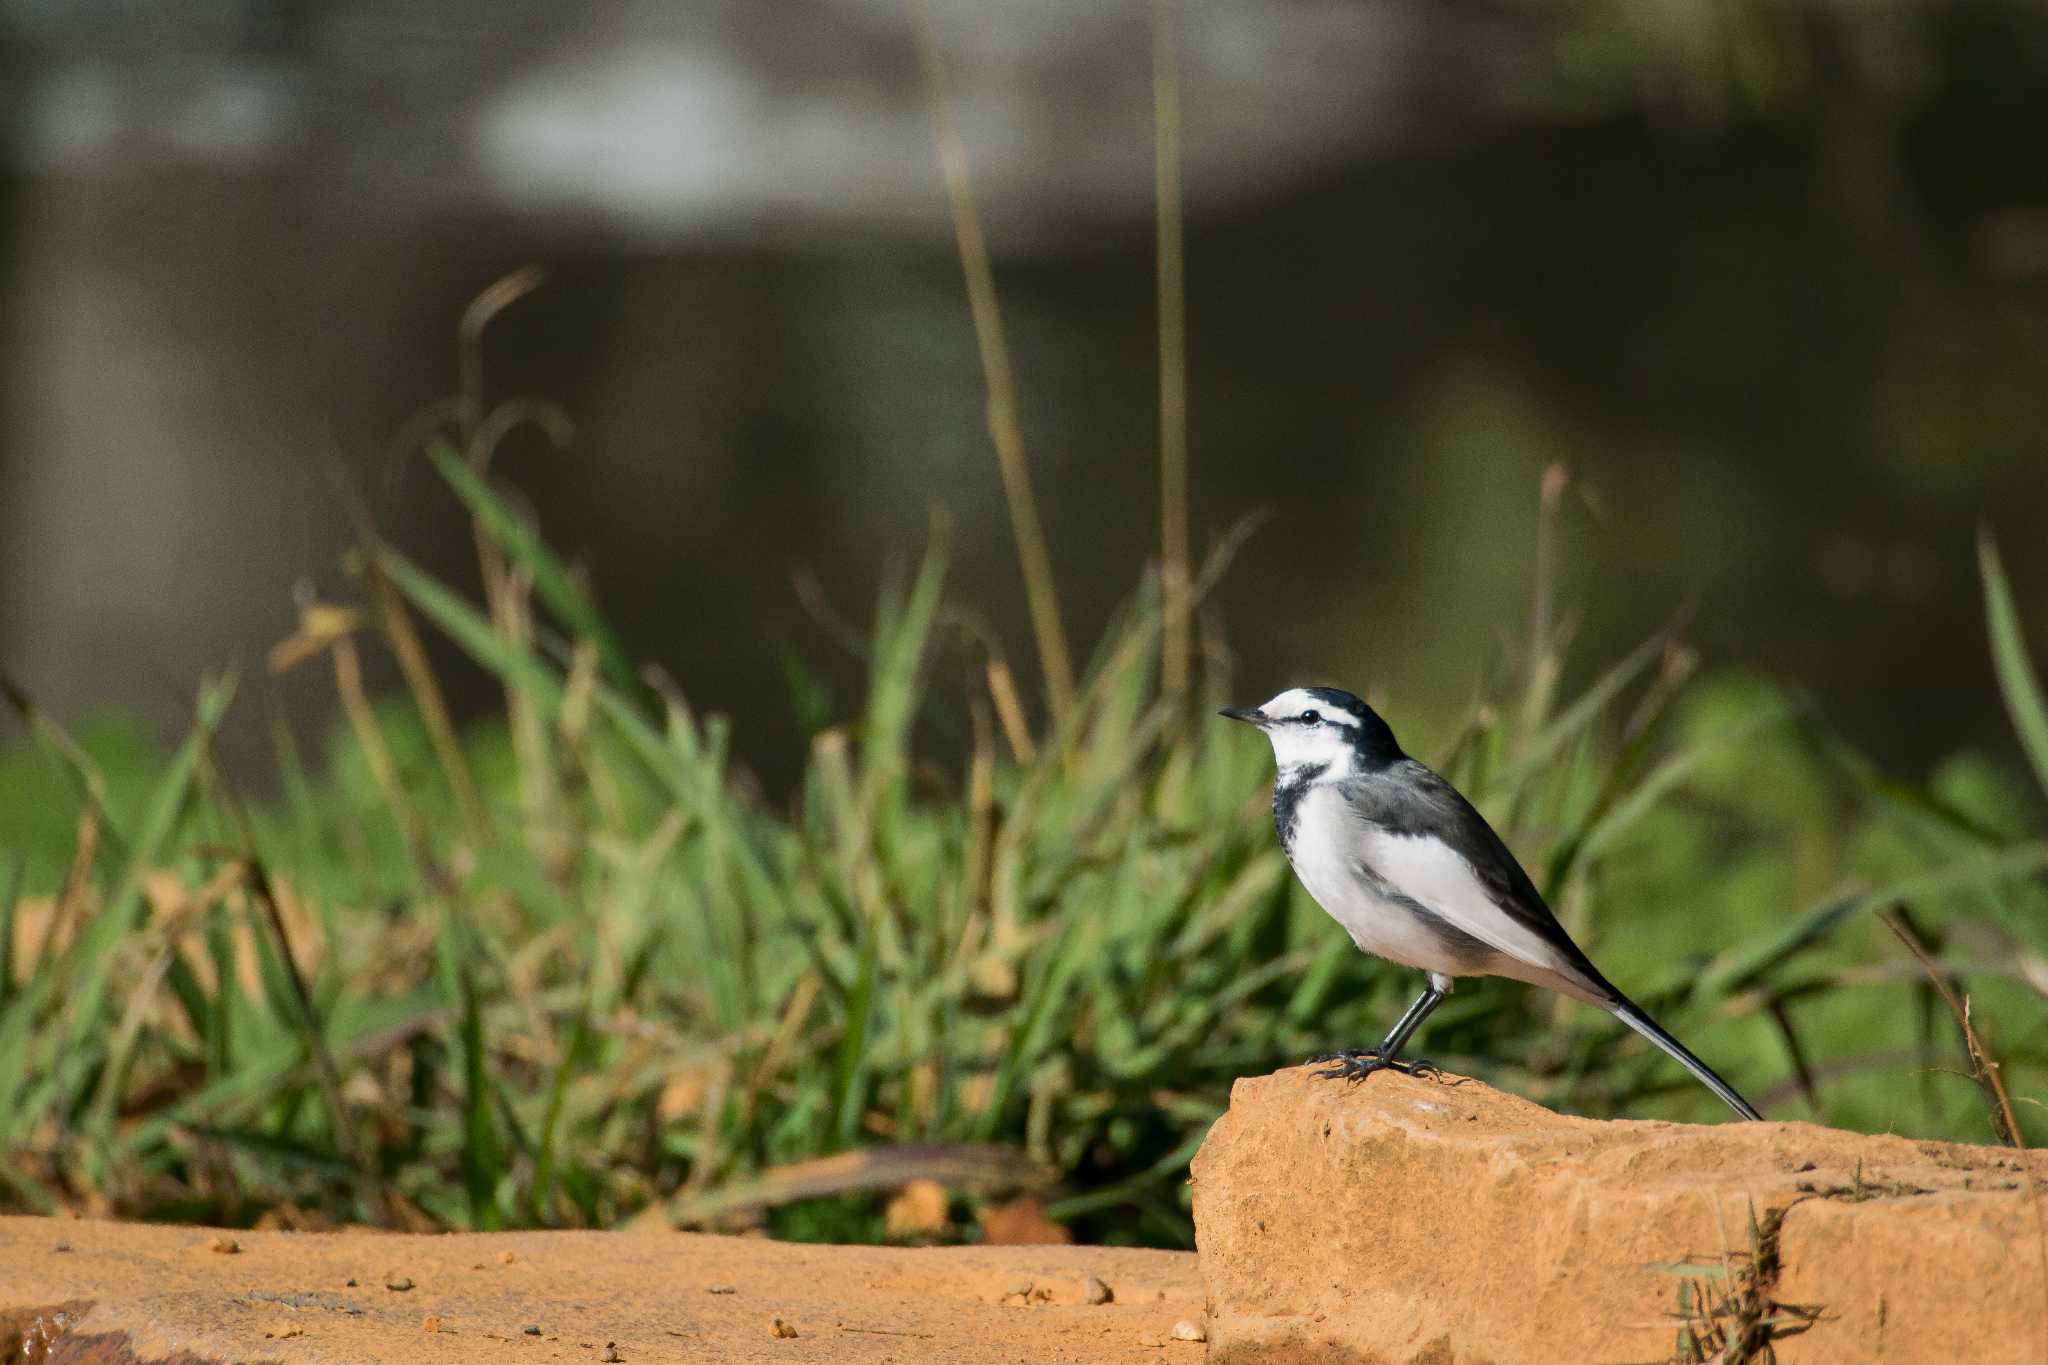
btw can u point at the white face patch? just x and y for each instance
(1296, 700)
(1299, 746)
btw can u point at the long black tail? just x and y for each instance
(1626, 1011)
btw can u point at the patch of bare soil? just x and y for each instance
(113, 1292)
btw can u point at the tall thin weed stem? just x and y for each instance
(1004, 426)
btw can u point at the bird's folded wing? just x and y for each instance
(1442, 854)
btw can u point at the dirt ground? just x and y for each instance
(73, 1291)
(1393, 1223)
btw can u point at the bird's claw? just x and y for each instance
(1356, 1064)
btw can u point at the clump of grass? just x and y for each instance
(1728, 1310)
(567, 967)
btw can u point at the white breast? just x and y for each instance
(1328, 846)
(1332, 847)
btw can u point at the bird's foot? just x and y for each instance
(1355, 1064)
(1345, 1055)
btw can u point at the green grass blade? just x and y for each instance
(542, 1202)
(551, 581)
(10, 904)
(472, 631)
(1540, 751)
(87, 965)
(850, 1067)
(483, 1156)
(2017, 680)
(901, 634)
(1744, 964)
(1669, 775)
(1028, 1031)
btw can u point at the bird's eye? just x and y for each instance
(1309, 717)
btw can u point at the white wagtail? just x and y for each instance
(1417, 876)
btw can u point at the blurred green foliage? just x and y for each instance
(619, 981)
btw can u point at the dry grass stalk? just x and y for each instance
(77, 881)
(1176, 607)
(399, 632)
(1004, 428)
(1984, 1069)
(1729, 1313)
(1544, 651)
(1002, 690)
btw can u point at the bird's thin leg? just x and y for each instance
(1358, 1063)
(1404, 1027)
(1396, 1037)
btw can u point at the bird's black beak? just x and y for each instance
(1250, 715)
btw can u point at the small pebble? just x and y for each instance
(781, 1329)
(223, 1246)
(611, 1352)
(532, 1329)
(61, 1246)
(431, 1325)
(1027, 1292)
(351, 1283)
(507, 1257)
(1188, 1331)
(1093, 1290)
(286, 1329)
(723, 1289)
(1152, 1339)
(399, 1283)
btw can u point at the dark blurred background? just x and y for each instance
(1771, 277)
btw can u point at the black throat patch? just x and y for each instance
(1288, 789)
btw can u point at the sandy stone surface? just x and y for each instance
(115, 1292)
(1412, 1221)
(1398, 1222)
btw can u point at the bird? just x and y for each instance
(1398, 857)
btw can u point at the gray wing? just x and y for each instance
(1409, 801)
(1430, 838)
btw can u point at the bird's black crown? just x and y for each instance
(1369, 733)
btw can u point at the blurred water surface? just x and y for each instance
(1772, 279)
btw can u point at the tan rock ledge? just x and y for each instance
(1404, 1220)
(118, 1292)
